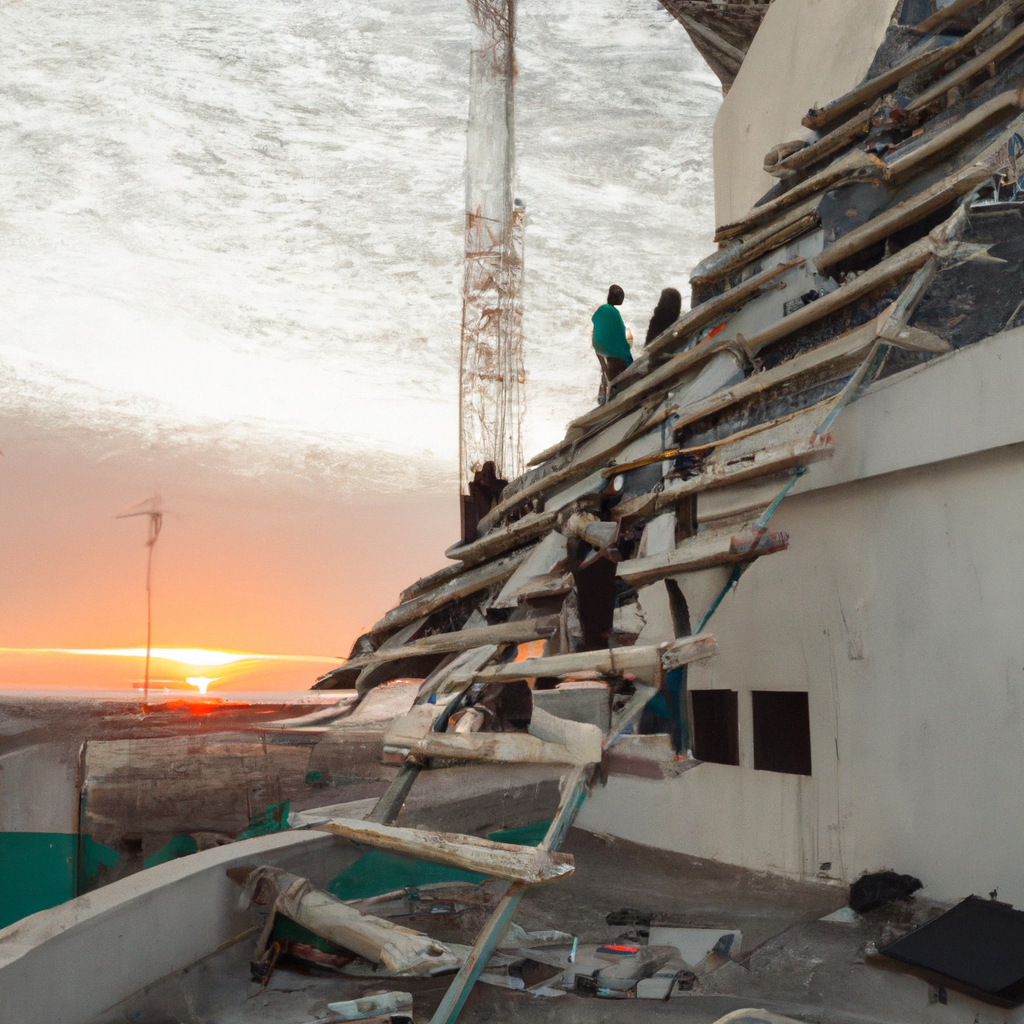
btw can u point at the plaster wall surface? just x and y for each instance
(898, 608)
(38, 790)
(806, 53)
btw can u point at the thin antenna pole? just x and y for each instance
(156, 522)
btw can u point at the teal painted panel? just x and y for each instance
(38, 870)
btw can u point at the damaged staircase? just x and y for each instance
(604, 562)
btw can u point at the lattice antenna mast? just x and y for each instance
(491, 371)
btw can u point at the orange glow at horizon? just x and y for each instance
(173, 669)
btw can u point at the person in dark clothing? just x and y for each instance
(609, 339)
(666, 313)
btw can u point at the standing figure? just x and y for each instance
(609, 340)
(666, 313)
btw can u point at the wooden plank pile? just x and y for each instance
(905, 196)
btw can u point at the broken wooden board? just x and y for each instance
(466, 583)
(500, 747)
(469, 853)
(869, 91)
(601, 448)
(535, 573)
(683, 330)
(465, 639)
(701, 552)
(378, 940)
(643, 661)
(497, 542)
(722, 470)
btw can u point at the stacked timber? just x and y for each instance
(892, 237)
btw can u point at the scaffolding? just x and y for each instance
(491, 370)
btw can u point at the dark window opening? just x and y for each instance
(716, 729)
(782, 732)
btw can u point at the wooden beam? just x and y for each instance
(854, 166)
(868, 92)
(495, 747)
(498, 541)
(944, 14)
(725, 471)
(827, 146)
(435, 579)
(701, 552)
(904, 262)
(733, 258)
(463, 585)
(469, 853)
(904, 168)
(465, 639)
(910, 211)
(715, 309)
(1000, 49)
(643, 659)
(575, 470)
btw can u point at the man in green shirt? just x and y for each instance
(609, 339)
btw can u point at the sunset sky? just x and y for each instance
(230, 268)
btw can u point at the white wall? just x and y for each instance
(806, 53)
(899, 607)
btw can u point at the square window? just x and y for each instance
(782, 731)
(716, 734)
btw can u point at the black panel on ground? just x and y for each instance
(716, 735)
(977, 947)
(782, 731)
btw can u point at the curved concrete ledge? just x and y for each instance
(72, 962)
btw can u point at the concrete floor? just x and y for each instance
(789, 960)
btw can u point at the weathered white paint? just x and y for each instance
(806, 53)
(898, 607)
(38, 789)
(70, 963)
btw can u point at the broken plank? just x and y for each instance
(644, 660)
(904, 262)
(435, 579)
(531, 526)
(910, 211)
(466, 583)
(875, 87)
(855, 166)
(701, 552)
(723, 471)
(938, 146)
(465, 639)
(469, 853)
(501, 747)
(828, 145)
(576, 469)
(997, 51)
(732, 258)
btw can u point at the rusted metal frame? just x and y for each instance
(1005, 46)
(869, 91)
(854, 166)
